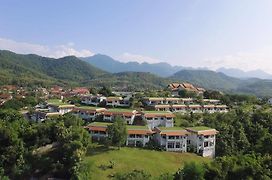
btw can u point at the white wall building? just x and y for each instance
(202, 140)
(127, 114)
(138, 135)
(88, 113)
(171, 138)
(158, 118)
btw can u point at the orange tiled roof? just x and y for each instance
(139, 131)
(118, 113)
(175, 133)
(208, 106)
(207, 132)
(179, 105)
(162, 106)
(167, 115)
(97, 128)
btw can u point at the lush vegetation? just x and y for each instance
(54, 148)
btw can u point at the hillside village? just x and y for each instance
(152, 121)
(181, 119)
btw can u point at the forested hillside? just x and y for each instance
(28, 69)
(222, 82)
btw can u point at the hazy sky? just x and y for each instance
(198, 33)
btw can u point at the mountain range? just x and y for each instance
(163, 69)
(245, 74)
(35, 70)
(109, 64)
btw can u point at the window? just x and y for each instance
(170, 145)
(177, 145)
(164, 137)
(211, 143)
(146, 136)
(206, 136)
(171, 137)
(132, 135)
(188, 141)
(138, 136)
(206, 144)
(177, 137)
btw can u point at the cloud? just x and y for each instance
(257, 59)
(126, 57)
(49, 51)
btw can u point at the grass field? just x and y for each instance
(127, 159)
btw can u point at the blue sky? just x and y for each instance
(198, 33)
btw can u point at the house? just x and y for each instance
(211, 101)
(158, 118)
(152, 101)
(221, 108)
(182, 108)
(162, 107)
(81, 91)
(117, 102)
(98, 130)
(187, 100)
(138, 135)
(210, 108)
(127, 114)
(88, 113)
(171, 138)
(195, 108)
(41, 116)
(56, 105)
(172, 101)
(93, 100)
(176, 87)
(202, 140)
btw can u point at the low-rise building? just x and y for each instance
(210, 108)
(158, 118)
(41, 116)
(88, 113)
(172, 101)
(211, 101)
(182, 108)
(162, 107)
(221, 108)
(117, 102)
(202, 140)
(56, 105)
(93, 100)
(98, 130)
(171, 138)
(195, 108)
(152, 101)
(138, 135)
(127, 114)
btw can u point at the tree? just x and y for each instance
(133, 175)
(117, 132)
(193, 171)
(105, 91)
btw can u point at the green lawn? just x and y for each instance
(56, 102)
(127, 159)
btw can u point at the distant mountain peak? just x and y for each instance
(238, 73)
(109, 64)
